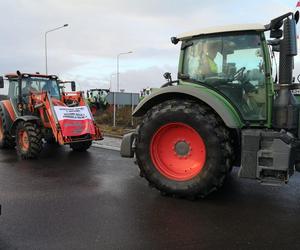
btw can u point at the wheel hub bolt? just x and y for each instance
(182, 148)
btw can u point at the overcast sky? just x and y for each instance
(86, 51)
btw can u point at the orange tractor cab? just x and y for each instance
(63, 85)
(37, 109)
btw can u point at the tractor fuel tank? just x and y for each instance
(267, 155)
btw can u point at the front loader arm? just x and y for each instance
(65, 131)
(43, 103)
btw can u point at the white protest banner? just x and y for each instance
(74, 121)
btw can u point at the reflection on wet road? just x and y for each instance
(96, 200)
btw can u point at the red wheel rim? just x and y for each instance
(178, 151)
(23, 140)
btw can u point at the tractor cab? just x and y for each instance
(20, 89)
(232, 61)
(96, 95)
(69, 85)
(146, 92)
(97, 99)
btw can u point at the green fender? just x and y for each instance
(217, 102)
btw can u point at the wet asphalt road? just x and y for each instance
(96, 200)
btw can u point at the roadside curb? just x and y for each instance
(109, 142)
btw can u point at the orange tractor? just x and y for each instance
(38, 110)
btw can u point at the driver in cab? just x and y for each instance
(28, 88)
(208, 66)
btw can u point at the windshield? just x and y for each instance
(98, 94)
(222, 56)
(40, 84)
(232, 64)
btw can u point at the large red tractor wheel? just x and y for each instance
(29, 140)
(183, 149)
(6, 140)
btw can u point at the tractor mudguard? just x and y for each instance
(127, 145)
(217, 102)
(25, 118)
(7, 114)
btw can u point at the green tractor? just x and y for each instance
(97, 99)
(224, 110)
(146, 92)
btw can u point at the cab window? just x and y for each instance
(233, 64)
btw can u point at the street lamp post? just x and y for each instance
(46, 33)
(110, 82)
(118, 74)
(118, 85)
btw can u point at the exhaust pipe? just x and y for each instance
(286, 107)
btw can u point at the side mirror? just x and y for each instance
(174, 40)
(1, 82)
(168, 76)
(73, 86)
(296, 16)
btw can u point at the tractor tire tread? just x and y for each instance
(215, 176)
(8, 141)
(35, 140)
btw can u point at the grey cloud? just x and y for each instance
(103, 28)
(132, 80)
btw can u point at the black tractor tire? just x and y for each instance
(215, 136)
(28, 140)
(6, 140)
(81, 146)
